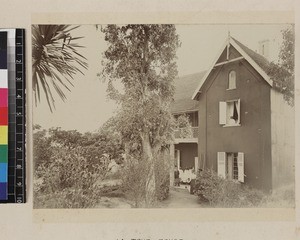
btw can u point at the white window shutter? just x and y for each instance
(222, 112)
(196, 164)
(241, 166)
(239, 110)
(222, 164)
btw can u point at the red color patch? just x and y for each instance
(3, 116)
(3, 97)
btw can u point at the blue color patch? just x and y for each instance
(3, 172)
(3, 191)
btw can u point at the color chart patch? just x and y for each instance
(3, 117)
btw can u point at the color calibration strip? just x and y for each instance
(11, 47)
(3, 117)
(16, 116)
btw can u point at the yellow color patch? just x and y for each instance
(3, 135)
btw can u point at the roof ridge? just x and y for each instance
(249, 49)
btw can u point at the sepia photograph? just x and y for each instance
(163, 116)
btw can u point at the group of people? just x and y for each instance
(183, 176)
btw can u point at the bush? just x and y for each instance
(134, 179)
(135, 176)
(162, 175)
(282, 197)
(68, 181)
(220, 192)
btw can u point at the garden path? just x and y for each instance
(181, 198)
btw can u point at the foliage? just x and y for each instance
(112, 139)
(162, 178)
(55, 60)
(69, 165)
(142, 59)
(135, 178)
(113, 191)
(282, 73)
(72, 177)
(220, 192)
(41, 146)
(94, 145)
(184, 126)
(280, 198)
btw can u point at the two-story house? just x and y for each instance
(246, 129)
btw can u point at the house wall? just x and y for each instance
(253, 137)
(283, 141)
(188, 152)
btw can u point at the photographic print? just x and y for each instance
(163, 116)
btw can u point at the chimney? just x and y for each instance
(264, 48)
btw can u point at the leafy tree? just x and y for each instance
(41, 146)
(184, 126)
(142, 58)
(283, 73)
(111, 139)
(55, 60)
(65, 138)
(69, 166)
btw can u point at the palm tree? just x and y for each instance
(55, 61)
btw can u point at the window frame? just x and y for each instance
(228, 80)
(224, 111)
(223, 165)
(234, 175)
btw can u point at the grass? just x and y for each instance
(283, 197)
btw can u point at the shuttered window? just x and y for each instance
(231, 165)
(229, 113)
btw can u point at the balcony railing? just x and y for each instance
(186, 133)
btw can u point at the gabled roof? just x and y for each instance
(184, 89)
(259, 59)
(258, 62)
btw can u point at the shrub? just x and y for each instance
(162, 175)
(135, 177)
(220, 192)
(69, 179)
(281, 197)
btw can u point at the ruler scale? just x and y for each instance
(20, 116)
(16, 117)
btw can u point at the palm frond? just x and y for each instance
(56, 60)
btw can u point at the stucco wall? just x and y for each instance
(253, 137)
(283, 141)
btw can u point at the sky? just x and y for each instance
(87, 106)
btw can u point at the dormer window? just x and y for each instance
(231, 80)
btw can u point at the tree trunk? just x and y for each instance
(148, 158)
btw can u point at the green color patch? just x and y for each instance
(3, 154)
